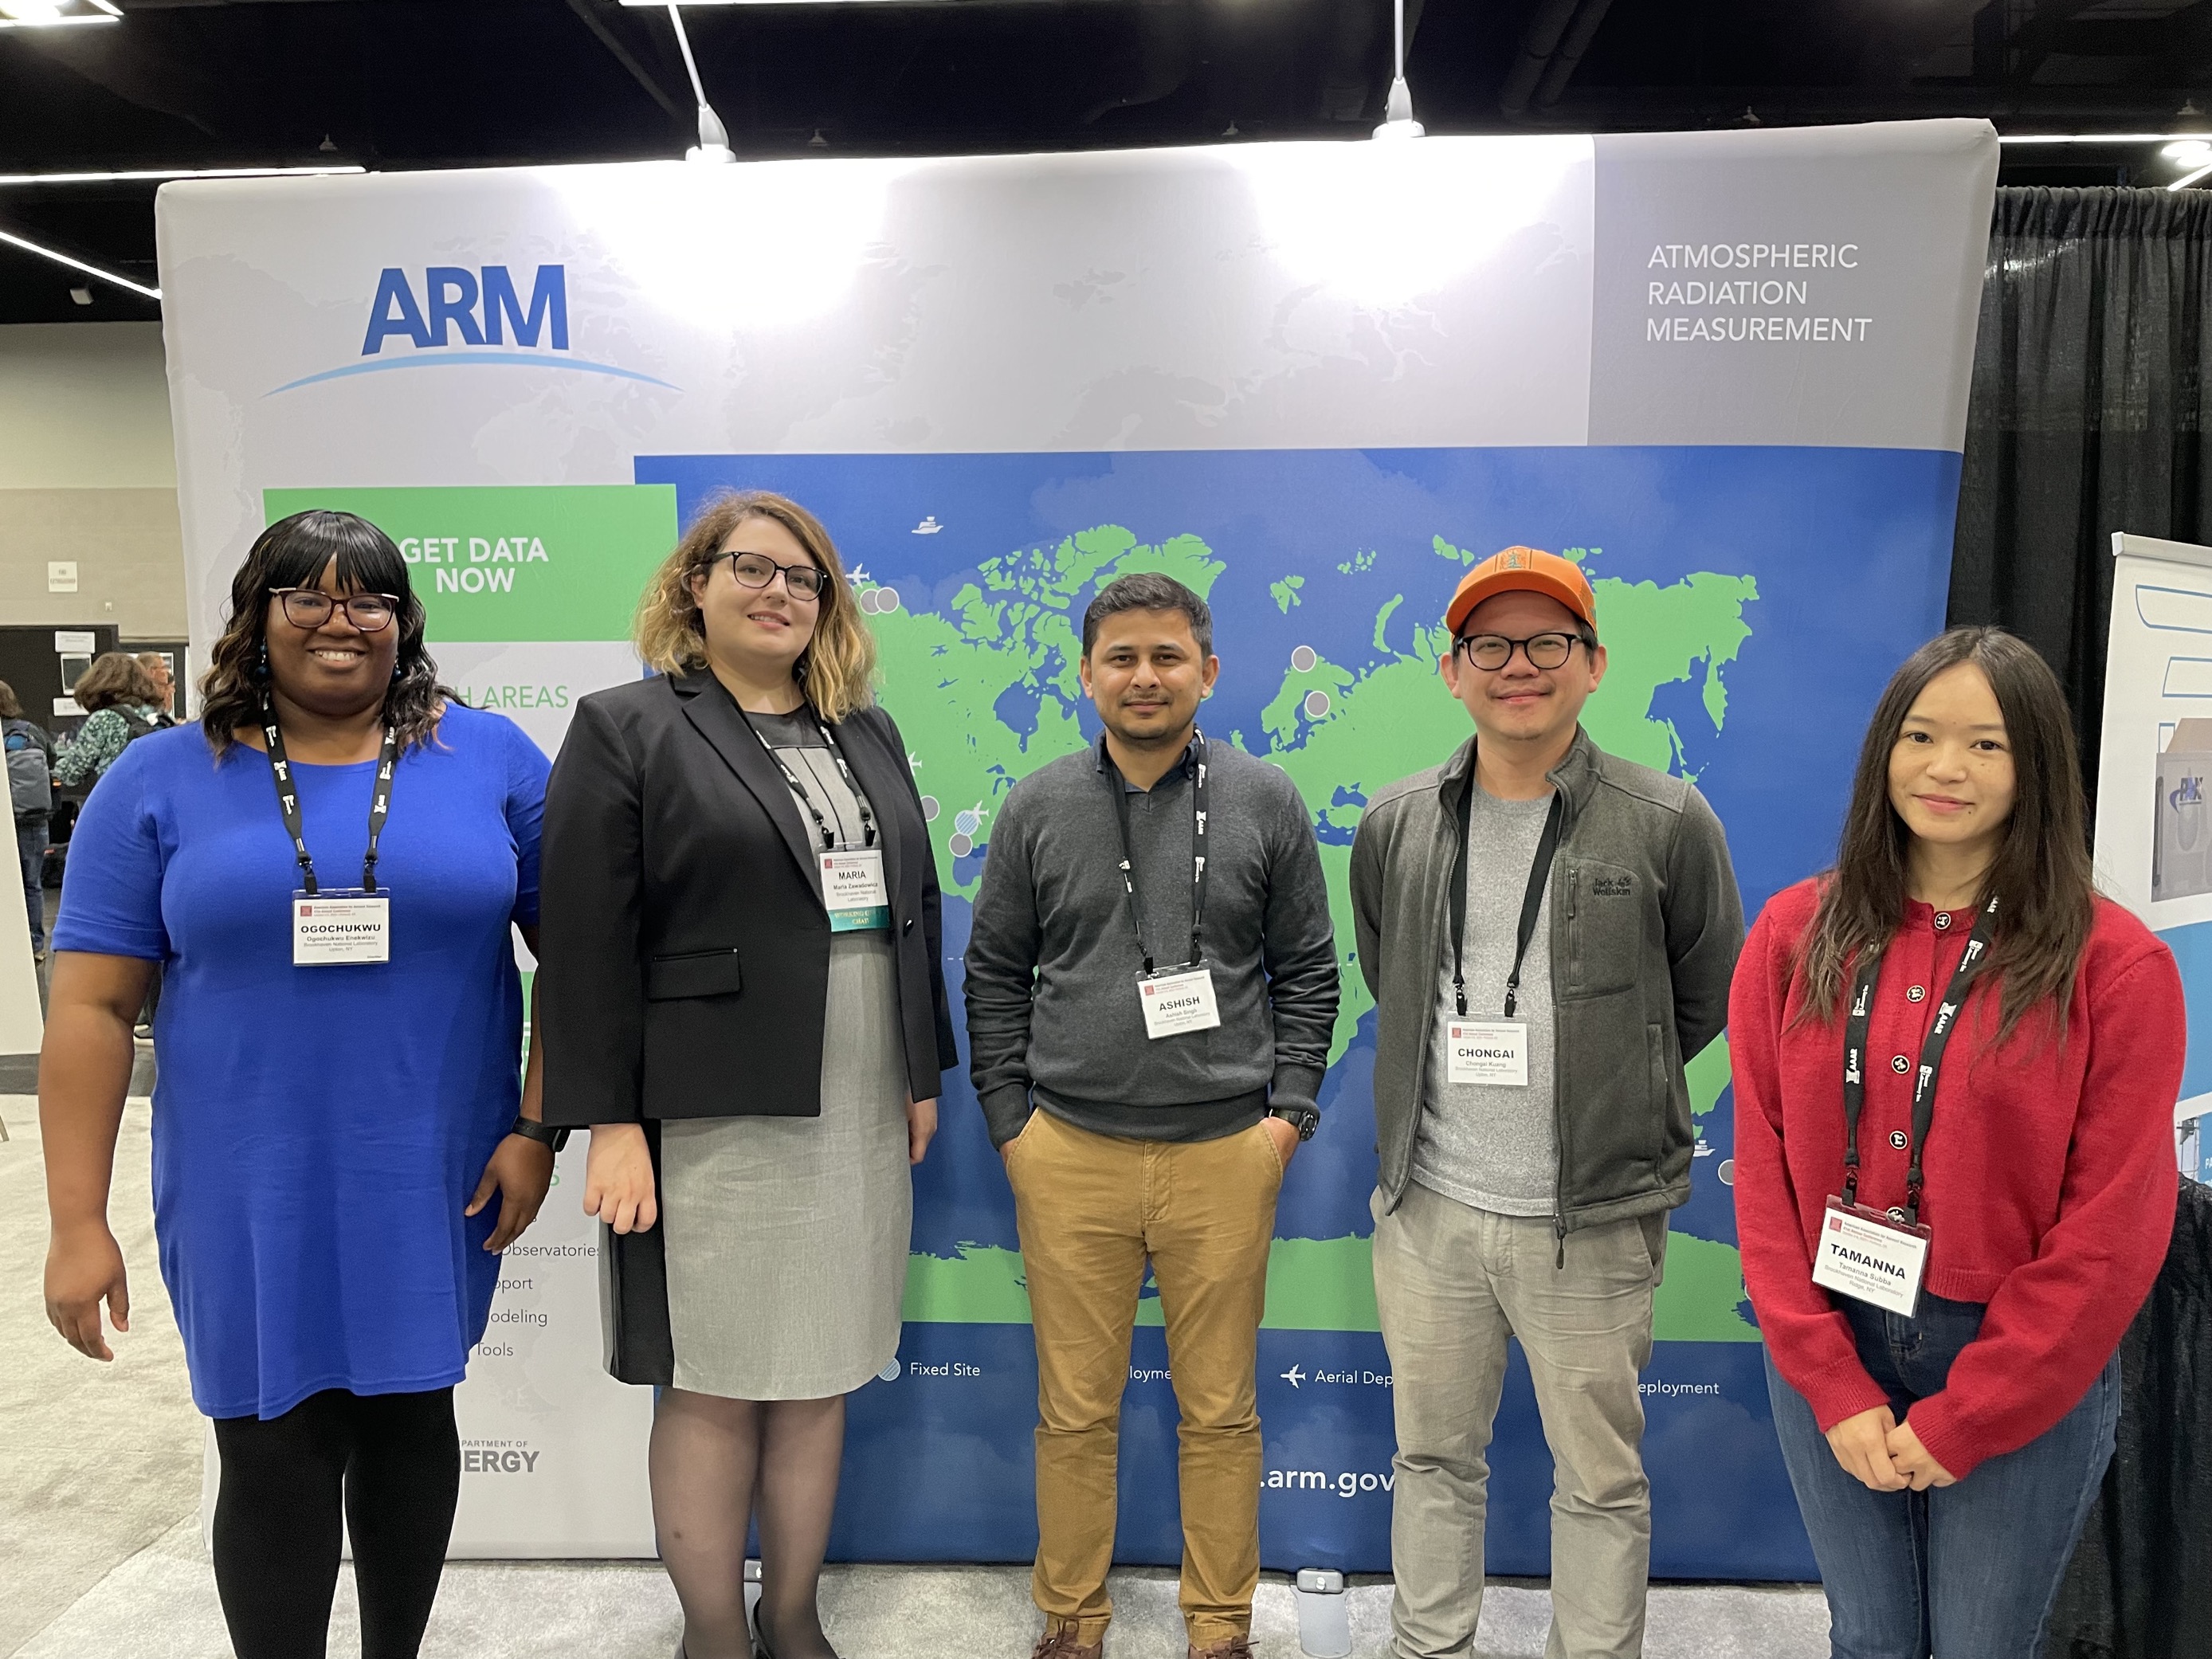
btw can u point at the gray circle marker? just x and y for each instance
(867, 601)
(890, 1373)
(1316, 704)
(1728, 1172)
(1303, 659)
(929, 808)
(961, 847)
(887, 600)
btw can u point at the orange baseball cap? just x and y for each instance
(1522, 570)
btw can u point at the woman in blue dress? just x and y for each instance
(325, 869)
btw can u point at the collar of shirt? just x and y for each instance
(1181, 765)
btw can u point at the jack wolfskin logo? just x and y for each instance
(1612, 886)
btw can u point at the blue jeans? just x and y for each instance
(31, 848)
(1964, 1571)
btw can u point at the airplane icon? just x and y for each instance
(1294, 1376)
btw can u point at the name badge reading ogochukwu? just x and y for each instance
(330, 929)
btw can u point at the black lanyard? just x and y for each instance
(288, 800)
(1931, 1057)
(1197, 847)
(1532, 900)
(799, 787)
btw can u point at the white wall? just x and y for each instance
(89, 472)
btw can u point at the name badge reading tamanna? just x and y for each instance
(339, 929)
(1493, 1051)
(1177, 1002)
(853, 889)
(1865, 1253)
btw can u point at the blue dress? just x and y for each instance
(317, 1131)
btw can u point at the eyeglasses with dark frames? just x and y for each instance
(801, 582)
(1491, 652)
(310, 607)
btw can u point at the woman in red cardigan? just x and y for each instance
(1944, 1293)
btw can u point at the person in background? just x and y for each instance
(1548, 931)
(744, 973)
(335, 1113)
(158, 675)
(120, 698)
(1956, 1067)
(30, 791)
(1151, 987)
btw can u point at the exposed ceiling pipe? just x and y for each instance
(713, 137)
(1547, 25)
(1573, 46)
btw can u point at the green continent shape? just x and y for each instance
(1013, 628)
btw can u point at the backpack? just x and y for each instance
(30, 784)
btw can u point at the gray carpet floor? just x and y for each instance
(100, 1551)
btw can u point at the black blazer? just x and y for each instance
(685, 950)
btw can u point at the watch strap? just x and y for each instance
(1304, 1119)
(531, 1129)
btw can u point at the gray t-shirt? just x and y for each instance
(1492, 1146)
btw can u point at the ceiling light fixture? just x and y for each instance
(1398, 120)
(7, 179)
(2189, 179)
(74, 264)
(55, 14)
(713, 144)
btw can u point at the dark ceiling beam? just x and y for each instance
(135, 71)
(603, 33)
(2137, 108)
(2036, 39)
(1569, 58)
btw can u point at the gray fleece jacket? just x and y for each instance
(1053, 961)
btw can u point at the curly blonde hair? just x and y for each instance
(836, 672)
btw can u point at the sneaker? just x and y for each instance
(1228, 1647)
(1061, 1642)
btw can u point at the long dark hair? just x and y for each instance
(293, 553)
(2045, 890)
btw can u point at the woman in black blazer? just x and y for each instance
(758, 1063)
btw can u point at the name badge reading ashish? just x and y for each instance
(1493, 1051)
(852, 888)
(1178, 1002)
(1864, 1254)
(332, 930)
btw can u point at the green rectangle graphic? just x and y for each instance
(521, 562)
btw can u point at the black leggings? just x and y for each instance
(392, 1462)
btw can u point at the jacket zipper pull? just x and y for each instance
(1559, 1225)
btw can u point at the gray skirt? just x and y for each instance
(787, 1237)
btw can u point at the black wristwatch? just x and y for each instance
(1304, 1119)
(531, 1129)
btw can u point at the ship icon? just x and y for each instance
(928, 526)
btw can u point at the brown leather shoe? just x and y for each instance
(1228, 1647)
(1059, 1642)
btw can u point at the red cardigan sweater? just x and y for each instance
(2050, 1170)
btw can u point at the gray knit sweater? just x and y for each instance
(1053, 961)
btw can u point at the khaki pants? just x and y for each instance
(1092, 1209)
(1452, 1283)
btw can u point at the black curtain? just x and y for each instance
(2088, 416)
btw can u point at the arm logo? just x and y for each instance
(460, 318)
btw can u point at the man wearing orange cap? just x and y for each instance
(1548, 932)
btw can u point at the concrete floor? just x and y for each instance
(99, 1491)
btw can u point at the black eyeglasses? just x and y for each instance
(1491, 652)
(310, 607)
(801, 582)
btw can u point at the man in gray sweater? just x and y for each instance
(1549, 933)
(1152, 986)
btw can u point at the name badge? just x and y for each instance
(1875, 1257)
(1493, 1051)
(1178, 1002)
(853, 889)
(339, 929)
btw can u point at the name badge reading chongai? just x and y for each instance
(340, 929)
(1177, 1002)
(852, 888)
(1864, 1254)
(1493, 1051)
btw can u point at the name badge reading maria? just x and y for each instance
(1178, 1002)
(1493, 1051)
(853, 889)
(1865, 1253)
(338, 929)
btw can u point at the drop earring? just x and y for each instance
(261, 667)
